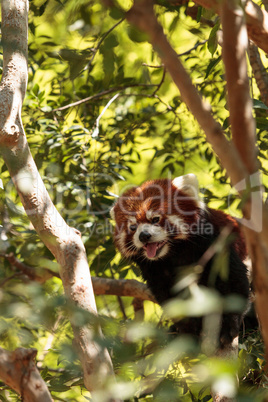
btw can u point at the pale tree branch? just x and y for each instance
(18, 370)
(122, 287)
(101, 286)
(64, 242)
(259, 71)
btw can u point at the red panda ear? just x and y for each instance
(189, 184)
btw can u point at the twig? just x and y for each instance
(152, 66)
(193, 48)
(100, 42)
(160, 83)
(100, 95)
(120, 301)
(179, 54)
(4, 281)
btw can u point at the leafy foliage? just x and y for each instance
(84, 54)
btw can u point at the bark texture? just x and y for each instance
(18, 370)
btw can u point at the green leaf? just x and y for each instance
(212, 65)
(35, 89)
(174, 23)
(116, 13)
(199, 14)
(212, 40)
(110, 41)
(262, 123)
(136, 35)
(257, 104)
(44, 372)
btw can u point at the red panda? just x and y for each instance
(163, 227)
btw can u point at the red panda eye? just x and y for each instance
(156, 219)
(133, 227)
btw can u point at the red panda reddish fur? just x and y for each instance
(163, 228)
(219, 219)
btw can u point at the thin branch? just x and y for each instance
(122, 287)
(100, 42)
(180, 54)
(192, 48)
(100, 95)
(101, 286)
(40, 275)
(138, 307)
(4, 281)
(152, 66)
(160, 83)
(120, 89)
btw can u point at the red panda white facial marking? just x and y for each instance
(179, 226)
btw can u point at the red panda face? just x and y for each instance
(148, 218)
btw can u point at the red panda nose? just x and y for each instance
(144, 237)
